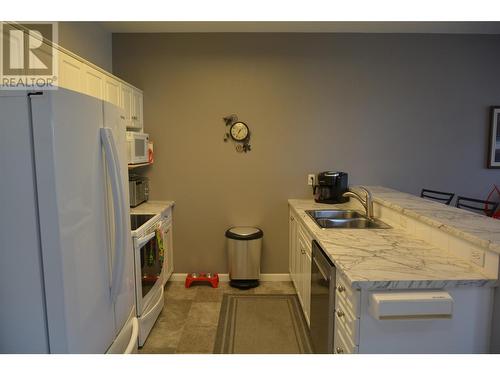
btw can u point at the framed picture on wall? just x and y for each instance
(494, 149)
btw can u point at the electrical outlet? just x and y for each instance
(477, 257)
(311, 179)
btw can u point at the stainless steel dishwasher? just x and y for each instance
(322, 300)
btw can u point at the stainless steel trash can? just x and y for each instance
(244, 247)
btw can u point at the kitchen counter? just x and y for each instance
(152, 207)
(477, 229)
(393, 258)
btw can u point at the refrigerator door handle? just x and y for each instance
(112, 162)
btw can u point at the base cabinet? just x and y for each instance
(467, 330)
(347, 318)
(299, 253)
(356, 330)
(169, 246)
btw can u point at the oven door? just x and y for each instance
(149, 256)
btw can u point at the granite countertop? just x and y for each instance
(388, 258)
(477, 229)
(152, 207)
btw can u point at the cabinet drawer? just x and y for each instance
(346, 322)
(341, 342)
(350, 297)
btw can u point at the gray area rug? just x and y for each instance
(262, 324)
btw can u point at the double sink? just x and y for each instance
(345, 219)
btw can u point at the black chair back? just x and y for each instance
(486, 207)
(439, 196)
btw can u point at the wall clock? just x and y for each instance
(238, 132)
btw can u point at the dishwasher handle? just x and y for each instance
(325, 274)
(321, 262)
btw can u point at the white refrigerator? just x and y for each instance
(66, 258)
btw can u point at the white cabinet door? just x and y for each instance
(169, 254)
(299, 272)
(126, 103)
(93, 82)
(70, 72)
(305, 277)
(296, 258)
(306, 286)
(136, 113)
(299, 253)
(112, 90)
(292, 236)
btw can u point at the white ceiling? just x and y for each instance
(306, 27)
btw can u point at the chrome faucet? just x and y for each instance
(367, 202)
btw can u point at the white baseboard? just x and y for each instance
(225, 277)
(275, 276)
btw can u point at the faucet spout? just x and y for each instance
(367, 202)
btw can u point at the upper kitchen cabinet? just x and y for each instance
(70, 72)
(79, 75)
(126, 98)
(137, 109)
(76, 75)
(112, 91)
(93, 82)
(132, 105)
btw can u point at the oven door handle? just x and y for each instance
(141, 241)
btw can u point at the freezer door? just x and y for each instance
(73, 228)
(22, 311)
(114, 120)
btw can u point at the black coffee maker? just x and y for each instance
(330, 187)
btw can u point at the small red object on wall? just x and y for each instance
(212, 278)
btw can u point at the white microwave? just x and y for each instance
(137, 147)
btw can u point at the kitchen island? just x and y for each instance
(430, 247)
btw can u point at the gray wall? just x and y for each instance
(404, 111)
(88, 40)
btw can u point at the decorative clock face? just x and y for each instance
(239, 131)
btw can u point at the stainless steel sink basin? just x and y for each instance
(345, 219)
(334, 214)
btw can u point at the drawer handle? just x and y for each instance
(341, 288)
(340, 313)
(339, 350)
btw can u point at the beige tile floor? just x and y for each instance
(188, 322)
